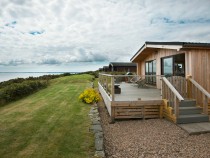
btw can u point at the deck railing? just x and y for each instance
(180, 84)
(108, 82)
(122, 100)
(195, 91)
(172, 95)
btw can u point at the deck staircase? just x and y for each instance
(190, 113)
(179, 93)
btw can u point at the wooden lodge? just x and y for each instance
(181, 73)
(122, 67)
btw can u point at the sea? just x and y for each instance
(4, 76)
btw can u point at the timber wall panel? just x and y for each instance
(200, 64)
(197, 64)
(137, 109)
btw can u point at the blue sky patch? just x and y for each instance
(36, 32)
(12, 24)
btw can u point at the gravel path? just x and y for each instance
(150, 138)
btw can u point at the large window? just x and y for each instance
(173, 65)
(167, 64)
(150, 70)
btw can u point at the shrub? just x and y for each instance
(18, 90)
(90, 96)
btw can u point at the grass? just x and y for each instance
(50, 123)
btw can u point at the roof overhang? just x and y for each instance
(151, 47)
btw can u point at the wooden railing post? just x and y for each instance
(161, 111)
(99, 78)
(112, 112)
(176, 104)
(205, 104)
(107, 88)
(201, 99)
(173, 96)
(112, 88)
(189, 87)
(161, 86)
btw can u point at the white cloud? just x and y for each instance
(62, 31)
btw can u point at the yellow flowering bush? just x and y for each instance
(90, 96)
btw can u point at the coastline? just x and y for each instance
(5, 76)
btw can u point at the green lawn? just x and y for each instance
(50, 123)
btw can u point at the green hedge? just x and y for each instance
(17, 90)
(20, 80)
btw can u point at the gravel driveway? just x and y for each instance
(150, 138)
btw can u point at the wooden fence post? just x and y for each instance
(205, 104)
(189, 87)
(112, 87)
(161, 111)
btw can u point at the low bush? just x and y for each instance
(20, 80)
(95, 74)
(90, 96)
(15, 91)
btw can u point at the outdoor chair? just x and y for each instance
(141, 83)
(135, 79)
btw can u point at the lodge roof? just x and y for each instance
(185, 44)
(171, 45)
(122, 64)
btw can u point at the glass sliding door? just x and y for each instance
(167, 66)
(147, 71)
(150, 70)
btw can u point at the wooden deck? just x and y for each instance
(131, 92)
(127, 100)
(133, 102)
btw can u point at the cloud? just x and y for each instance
(50, 62)
(13, 62)
(63, 31)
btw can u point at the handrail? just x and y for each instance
(196, 91)
(104, 74)
(200, 88)
(173, 89)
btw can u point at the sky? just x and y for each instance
(83, 35)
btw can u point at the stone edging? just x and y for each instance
(96, 128)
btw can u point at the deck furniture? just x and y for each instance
(117, 89)
(135, 79)
(141, 83)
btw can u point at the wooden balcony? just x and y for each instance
(126, 99)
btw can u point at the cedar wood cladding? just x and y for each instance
(197, 59)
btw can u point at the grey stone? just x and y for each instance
(99, 135)
(95, 119)
(99, 144)
(96, 128)
(94, 111)
(94, 114)
(96, 122)
(99, 154)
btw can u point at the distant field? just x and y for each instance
(50, 123)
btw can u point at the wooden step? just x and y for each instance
(192, 118)
(190, 110)
(188, 103)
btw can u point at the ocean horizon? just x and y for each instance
(5, 76)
